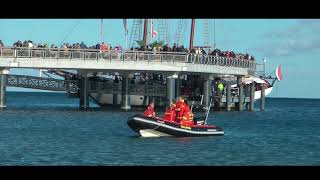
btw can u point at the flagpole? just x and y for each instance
(100, 34)
(126, 36)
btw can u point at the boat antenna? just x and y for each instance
(192, 106)
(208, 111)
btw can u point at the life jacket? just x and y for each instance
(149, 112)
(187, 119)
(180, 106)
(170, 115)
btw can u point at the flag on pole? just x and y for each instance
(153, 32)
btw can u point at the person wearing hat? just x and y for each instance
(170, 114)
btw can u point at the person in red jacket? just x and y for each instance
(187, 118)
(170, 114)
(180, 106)
(149, 112)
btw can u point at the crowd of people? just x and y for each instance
(103, 47)
(178, 112)
(231, 54)
(196, 50)
(66, 46)
(164, 48)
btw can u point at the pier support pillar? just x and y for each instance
(170, 89)
(240, 97)
(262, 101)
(125, 98)
(84, 92)
(115, 99)
(228, 100)
(177, 87)
(206, 92)
(252, 92)
(3, 86)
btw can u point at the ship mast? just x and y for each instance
(192, 34)
(145, 33)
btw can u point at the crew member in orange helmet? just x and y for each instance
(180, 106)
(170, 114)
(149, 112)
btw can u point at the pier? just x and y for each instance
(89, 62)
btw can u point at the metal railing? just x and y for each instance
(134, 89)
(150, 56)
(42, 83)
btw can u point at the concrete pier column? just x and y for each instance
(206, 92)
(178, 92)
(240, 97)
(3, 86)
(84, 92)
(125, 98)
(115, 99)
(170, 89)
(228, 97)
(262, 101)
(252, 92)
(240, 104)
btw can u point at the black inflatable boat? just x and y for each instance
(157, 127)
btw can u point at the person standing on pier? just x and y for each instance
(220, 88)
(149, 112)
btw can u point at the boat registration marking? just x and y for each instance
(186, 127)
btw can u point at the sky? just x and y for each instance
(294, 43)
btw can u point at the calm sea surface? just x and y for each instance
(49, 129)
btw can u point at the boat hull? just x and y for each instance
(156, 127)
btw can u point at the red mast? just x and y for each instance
(192, 34)
(145, 32)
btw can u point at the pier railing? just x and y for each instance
(42, 83)
(134, 89)
(149, 56)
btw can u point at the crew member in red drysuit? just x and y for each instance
(170, 114)
(180, 106)
(187, 118)
(150, 111)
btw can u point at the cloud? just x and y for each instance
(300, 38)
